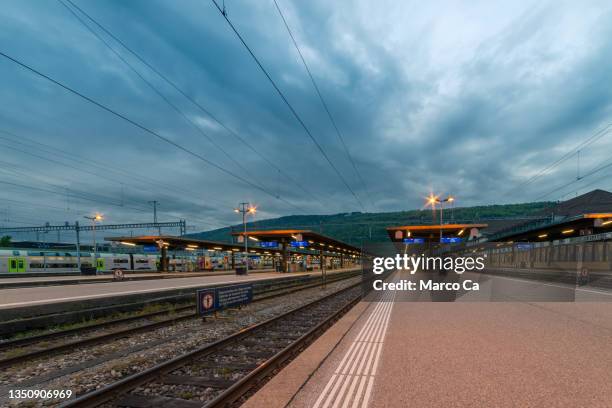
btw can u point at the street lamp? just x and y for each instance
(245, 209)
(432, 200)
(96, 217)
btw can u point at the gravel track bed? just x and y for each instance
(85, 334)
(86, 370)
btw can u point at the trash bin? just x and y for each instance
(88, 270)
(241, 270)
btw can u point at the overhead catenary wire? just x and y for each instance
(195, 102)
(602, 166)
(325, 107)
(593, 138)
(158, 92)
(11, 167)
(33, 144)
(286, 101)
(140, 126)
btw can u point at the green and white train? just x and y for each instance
(37, 261)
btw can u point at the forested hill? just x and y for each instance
(355, 227)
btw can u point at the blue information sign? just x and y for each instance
(414, 240)
(450, 240)
(297, 244)
(268, 244)
(213, 299)
(150, 248)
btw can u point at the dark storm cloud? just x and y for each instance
(471, 101)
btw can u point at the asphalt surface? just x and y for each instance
(473, 352)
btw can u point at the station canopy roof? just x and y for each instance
(552, 229)
(432, 231)
(311, 239)
(182, 243)
(313, 242)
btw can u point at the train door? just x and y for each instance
(16, 264)
(100, 264)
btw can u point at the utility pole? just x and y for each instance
(78, 243)
(244, 209)
(97, 217)
(155, 202)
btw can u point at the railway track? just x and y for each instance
(221, 373)
(64, 342)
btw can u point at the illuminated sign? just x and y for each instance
(414, 240)
(268, 244)
(450, 240)
(297, 244)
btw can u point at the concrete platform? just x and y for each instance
(466, 353)
(17, 282)
(30, 296)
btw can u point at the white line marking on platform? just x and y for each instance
(360, 362)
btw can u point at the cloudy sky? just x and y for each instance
(468, 98)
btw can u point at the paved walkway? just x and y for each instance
(29, 296)
(392, 352)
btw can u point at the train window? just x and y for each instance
(15, 253)
(36, 265)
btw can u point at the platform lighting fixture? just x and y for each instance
(218, 248)
(254, 239)
(128, 243)
(542, 235)
(432, 200)
(567, 231)
(97, 217)
(192, 246)
(189, 249)
(606, 222)
(461, 232)
(245, 209)
(294, 237)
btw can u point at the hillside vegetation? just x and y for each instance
(357, 227)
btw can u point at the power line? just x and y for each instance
(316, 87)
(590, 173)
(92, 162)
(286, 101)
(81, 195)
(194, 102)
(598, 135)
(141, 127)
(157, 91)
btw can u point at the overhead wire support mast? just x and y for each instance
(286, 101)
(139, 126)
(194, 102)
(316, 87)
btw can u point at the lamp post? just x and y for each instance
(433, 200)
(96, 217)
(245, 209)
